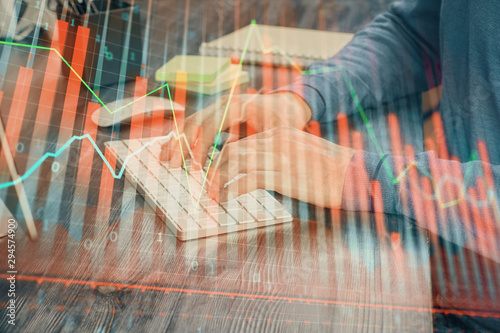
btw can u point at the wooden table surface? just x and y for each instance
(338, 272)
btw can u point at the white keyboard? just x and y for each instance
(180, 199)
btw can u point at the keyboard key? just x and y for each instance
(270, 203)
(215, 211)
(155, 150)
(198, 176)
(260, 194)
(194, 188)
(185, 222)
(153, 185)
(249, 202)
(207, 223)
(121, 148)
(198, 215)
(281, 214)
(179, 174)
(241, 215)
(171, 184)
(170, 204)
(133, 163)
(262, 215)
(136, 148)
(231, 205)
(207, 202)
(185, 199)
(224, 219)
(203, 220)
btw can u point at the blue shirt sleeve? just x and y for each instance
(394, 56)
(457, 201)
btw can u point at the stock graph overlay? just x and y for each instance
(411, 243)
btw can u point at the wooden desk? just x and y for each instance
(356, 271)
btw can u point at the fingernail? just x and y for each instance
(223, 196)
(176, 159)
(213, 193)
(165, 152)
(213, 189)
(164, 155)
(210, 175)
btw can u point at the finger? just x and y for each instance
(226, 114)
(232, 137)
(250, 154)
(173, 146)
(251, 182)
(246, 163)
(184, 149)
(177, 151)
(211, 119)
(256, 142)
(213, 190)
(231, 151)
(197, 158)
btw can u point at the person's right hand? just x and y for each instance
(262, 112)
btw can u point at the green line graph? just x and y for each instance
(254, 29)
(83, 81)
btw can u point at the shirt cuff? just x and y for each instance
(325, 93)
(310, 95)
(369, 186)
(359, 189)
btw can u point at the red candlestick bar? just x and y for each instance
(137, 122)
(157, 119)
(74, 84)
(87, 149)
(106, 188)
(343, 125)
(50, 80)
(16, 115)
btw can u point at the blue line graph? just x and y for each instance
(99, 151)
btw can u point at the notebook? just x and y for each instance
(199, 69)
(304, 46)
(223, 82)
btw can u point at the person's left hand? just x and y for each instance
(284, 159)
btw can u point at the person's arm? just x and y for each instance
(456, 200)
(394, 56)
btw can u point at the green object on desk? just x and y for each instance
(229, 77)
(200, 69)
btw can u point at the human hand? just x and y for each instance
(287, 160)
(262, 112)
